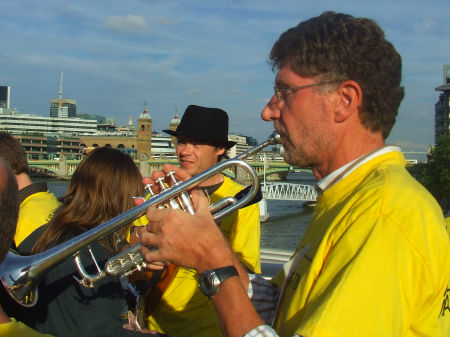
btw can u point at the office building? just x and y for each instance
(4, 97)
(25, 123)
(64, 107)
(442, 107)
(50, 147)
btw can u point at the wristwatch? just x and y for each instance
(210, 280)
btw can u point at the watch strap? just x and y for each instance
(225, 273)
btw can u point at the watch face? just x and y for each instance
(208, 282)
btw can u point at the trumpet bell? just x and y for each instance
(16, 276)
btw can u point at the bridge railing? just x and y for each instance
(287, 191)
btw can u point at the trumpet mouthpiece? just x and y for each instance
(276, 137)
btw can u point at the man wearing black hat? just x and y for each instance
(202, 139)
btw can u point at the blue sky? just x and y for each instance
(117, 54)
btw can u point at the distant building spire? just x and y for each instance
(175, 121)
(60, 97)
(145, 114)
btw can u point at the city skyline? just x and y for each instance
(117, 55)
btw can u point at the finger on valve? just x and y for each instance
(148, 186)
(180, 173)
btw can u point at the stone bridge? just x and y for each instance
(63, 169)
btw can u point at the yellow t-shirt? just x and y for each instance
(18, 329)
(35, 210)
(375, 260)
(183, 309)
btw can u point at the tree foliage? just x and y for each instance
(436, 174)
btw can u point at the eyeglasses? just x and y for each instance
(281, 94)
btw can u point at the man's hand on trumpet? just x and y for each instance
(178, 237)
(191, 241)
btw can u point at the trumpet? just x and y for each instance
(20, 275)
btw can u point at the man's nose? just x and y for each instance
(186, 148)
(271, 110)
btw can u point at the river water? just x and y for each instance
(284, 228)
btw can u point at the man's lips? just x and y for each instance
(185, 163)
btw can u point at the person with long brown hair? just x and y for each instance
(101, 188)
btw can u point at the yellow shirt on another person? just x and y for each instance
(37, 205)
(183, 309)
(18, 329)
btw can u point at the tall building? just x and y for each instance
(144, 133)
(442, 107)
(63, 107)
(5, 97)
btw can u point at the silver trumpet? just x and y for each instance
(20, 275)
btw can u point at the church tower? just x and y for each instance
(144, 133)
(173, 126)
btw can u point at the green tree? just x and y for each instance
(436, 174)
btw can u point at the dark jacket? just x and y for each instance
(65, 308)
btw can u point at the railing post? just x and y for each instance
(62, 168)
(263, 212)
(144, 167)
(241, 175)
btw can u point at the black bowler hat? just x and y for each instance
(204, 124)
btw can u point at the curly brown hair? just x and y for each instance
(337, 47)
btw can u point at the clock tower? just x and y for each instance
(144, 133)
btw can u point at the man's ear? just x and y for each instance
(221, 151)
(349, 101)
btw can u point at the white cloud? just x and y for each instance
(425, 25)
(128, 23)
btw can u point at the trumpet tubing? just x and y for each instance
(19, 275)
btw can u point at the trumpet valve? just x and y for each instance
(148, 189)
(172, 202)
(171, 175)
(184, 199)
